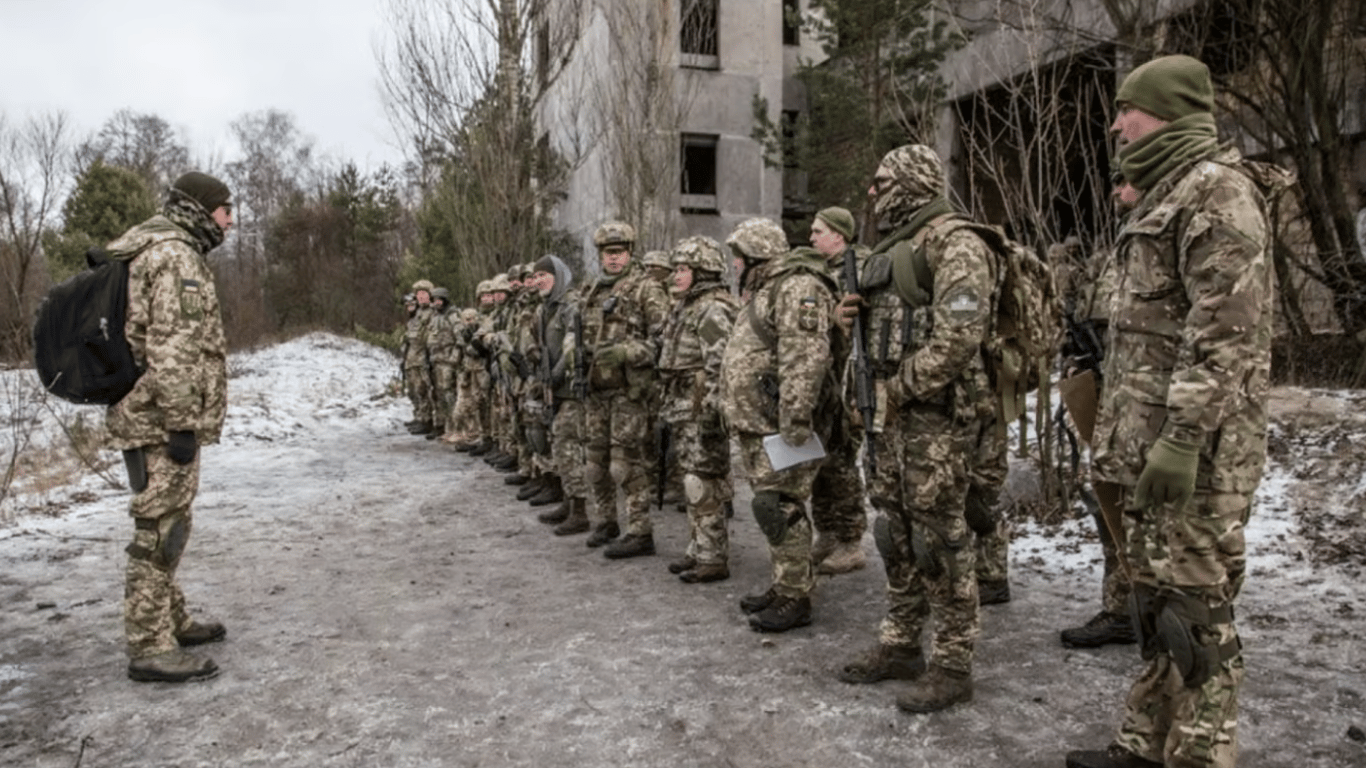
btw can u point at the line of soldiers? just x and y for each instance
(652, 379)
(778, 382)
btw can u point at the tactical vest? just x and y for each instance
(896, 328)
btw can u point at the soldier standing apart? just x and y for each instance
(1181, 436)
(416, 361)
(837, 495)
(930, 286)
(779, 379)
(175, 331)
(623, 311)
(694, 340)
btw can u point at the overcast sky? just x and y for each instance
(199, 65)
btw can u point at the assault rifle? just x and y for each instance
(864, 394)
(1083, 343)
(580, 358)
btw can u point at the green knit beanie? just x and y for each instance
(203, 189)
(1170, 88)
(839, 220)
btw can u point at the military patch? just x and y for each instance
(963, 304)
(808, 315)
(189, 286)
(191, 303)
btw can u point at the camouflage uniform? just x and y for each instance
(493, 335)
(416, 361)
(175, 330)
(693, 342)
(935, 405)
(471, 378)
(778, 377)
(1189, 359)
(524, 355)
(617, 409)
(558, 321)
(445, 357)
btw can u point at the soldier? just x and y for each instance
(444, 356)
(837, 497)
(694, 340)
(1180, 439)
(659, 268)
(564, 380)
(401, 338)
(780, 384)
(622, 312)
(473, 395)
(931, 287)
(417, 360)
(175, 331)
(494, 336)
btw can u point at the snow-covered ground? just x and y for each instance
(311, 417)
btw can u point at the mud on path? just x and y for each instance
(389, 604)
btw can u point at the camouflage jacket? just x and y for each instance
(441, 338)
(1189, 344)
(625, 313)
(415, 338)
(692, 345)
(930, 350)
(175, 330)
(556, 321)
(778, 365)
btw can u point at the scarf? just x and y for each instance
(1146, 161)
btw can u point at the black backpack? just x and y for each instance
(78, 344)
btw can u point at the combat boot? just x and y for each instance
(993, 592)
(684, 563)
(551, 493)
(577, 521)
(1113, 756)
(508, 464)
(1103, 629)
(175, 666)
(703, 574)
(557, 515)
(756, 603)
(516, 479)
(937, 689)
(420, 428)
(782, 614)
(604, 533)
(199, 633)
(885, 662)
(531, 488)
(436, 431)
(846, 557)
(821, 547)
(482, 447)
(495, 455)
(630, 545)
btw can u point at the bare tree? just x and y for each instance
(143, 143)
(33, 160)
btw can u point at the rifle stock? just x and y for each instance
(864, 394)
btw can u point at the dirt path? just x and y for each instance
(389, 604)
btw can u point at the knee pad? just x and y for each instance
(695, 489)
(882, 537)
(769, 514)
(934, 552)
(980, 513)
(620, 470)
(1184, 629)
(593, 472)
(160, 541)
(1143, 610)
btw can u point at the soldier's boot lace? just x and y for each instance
(201, 632)
(782, 614)
(758, 602)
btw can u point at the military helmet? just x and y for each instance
(758, 239)
(700, 253)
(614, 233)
(441, 293)
(499, 284)
(485, 286)
(469, 315)
(655, 259)
(423, 285)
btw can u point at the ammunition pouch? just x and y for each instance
(135, 461)
(1143, 608)
(160, 541)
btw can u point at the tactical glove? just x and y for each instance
(1169, 474)
(181, 446)
(847, 310)
(795, 433)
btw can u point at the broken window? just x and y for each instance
(699, 172)
(792, 22)
(697, 33)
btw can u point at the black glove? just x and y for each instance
(181, 446)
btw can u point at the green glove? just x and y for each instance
(1169, 474)
(794, 432)
(611, 357)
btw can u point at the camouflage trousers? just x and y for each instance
(443, 394)
(615, 430)
(1114, 586)
(567, 448)
(502, 421)
(153, 605)
(789, 556)
(987, 476)
(469, 396)
(419, 383)
(920, 492)
(1197, 551)
(702, 449)
(837, 493)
